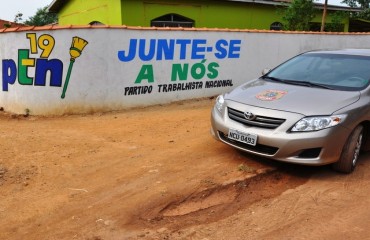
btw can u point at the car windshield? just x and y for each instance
(331, 71)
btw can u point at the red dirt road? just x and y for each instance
(156, 173)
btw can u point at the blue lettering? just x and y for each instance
(198, 52)
(165, 48)
(131, 53)
(234, 49)
(220, 47)
(183, 43)
(9, 73)
(142, 47)
(169, 49)
(54, 66)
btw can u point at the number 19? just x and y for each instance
(45, 42)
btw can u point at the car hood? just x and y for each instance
(292, 98)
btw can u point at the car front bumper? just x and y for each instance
(308, 148)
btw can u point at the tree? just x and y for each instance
(323, 19)
(336, 24)
(42, 18)
(364, 4)
(298, 15)
(18, 17)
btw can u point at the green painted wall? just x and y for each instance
(212, 14)
(205, 13)
(83, 12)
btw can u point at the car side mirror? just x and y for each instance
(265, 71)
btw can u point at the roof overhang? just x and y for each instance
(56, 5)
(287, 2)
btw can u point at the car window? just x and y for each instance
(339, 71)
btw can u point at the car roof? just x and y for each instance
(360, 52)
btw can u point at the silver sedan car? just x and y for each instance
(314, 109)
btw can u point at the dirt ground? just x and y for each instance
(156, 173)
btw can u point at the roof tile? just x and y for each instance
(57, 27)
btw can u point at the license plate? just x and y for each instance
(247, 138)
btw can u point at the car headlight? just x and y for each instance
(308, 124)
(220, 103)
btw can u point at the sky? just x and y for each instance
(29, 8)
(333, 2)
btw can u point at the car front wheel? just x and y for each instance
(351, 151)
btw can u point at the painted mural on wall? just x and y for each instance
(128, 69)
(188, 62)
(42, 46)
(58, 72)
(78, 44)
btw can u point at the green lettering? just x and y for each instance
(213, 72)
(23, 63)
(179, 72)
(146, 73)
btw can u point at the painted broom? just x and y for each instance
(78, 44)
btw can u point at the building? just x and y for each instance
(238, 14)
(9, 24)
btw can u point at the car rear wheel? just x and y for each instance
(351, 151)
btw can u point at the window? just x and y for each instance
(95, 23)
(172, 20)
(276, 26)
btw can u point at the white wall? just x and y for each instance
(103, 78)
